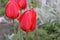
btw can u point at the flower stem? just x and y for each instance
(15, 36)
(36, 34)
(27, 36)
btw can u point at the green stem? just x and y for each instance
(20, 11)
(15, 36)
(36, 35)
(27, 36)
(4, 16)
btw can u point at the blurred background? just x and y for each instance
(47, 24)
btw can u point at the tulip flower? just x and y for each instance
(27, 20)
(22, 4)
(11, 9)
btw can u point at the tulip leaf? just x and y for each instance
(20, 34)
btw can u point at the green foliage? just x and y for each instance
(1, 11)
(3, 3)
(50, 31)
(2, 6)
(34, 3)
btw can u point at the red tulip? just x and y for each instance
(28, 20)
(22, 4)
(11, 9)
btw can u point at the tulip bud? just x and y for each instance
(11, 9)
(22, 4)
(27, 20)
